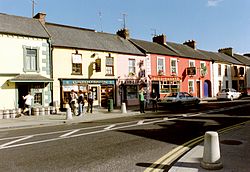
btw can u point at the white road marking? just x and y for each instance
(67, 134)
(140, 122)
(109, 127)
(14, 141)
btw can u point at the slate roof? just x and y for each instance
(24, 26)
(186, 51)
(30, 78)
(243, 59)
(152, 47)
(73, 37)
(219, 57)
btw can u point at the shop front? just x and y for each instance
(102, 90)
(165, 84)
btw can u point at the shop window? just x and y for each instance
(169, 86)
(38, 99)
(31, 61)
(77, 64)
(132, 92)
(109, 66)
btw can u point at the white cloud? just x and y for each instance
(213, 3)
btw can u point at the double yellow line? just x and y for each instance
(171, 156)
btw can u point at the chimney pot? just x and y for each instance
(190, 43)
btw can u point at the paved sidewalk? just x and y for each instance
(234, 152)
(60, 118)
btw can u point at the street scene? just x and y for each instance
(113, 86)
(133, 142)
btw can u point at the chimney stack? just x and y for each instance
(160, 39)
(190, 43)
(40, 17)
(227, 51)
(124, 33)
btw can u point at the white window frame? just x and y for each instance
(171, 67)
(201, 63)
(191, 87)
(131, 66)
(191, 61)
(161, 67)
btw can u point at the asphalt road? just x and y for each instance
(124, 144)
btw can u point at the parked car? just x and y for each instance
(179, 98)
(228, 94)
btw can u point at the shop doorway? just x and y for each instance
(96, 94)
(107, 92)
(198, 90)
(22, 91)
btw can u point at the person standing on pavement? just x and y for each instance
(154, 100)
(73, 102)
(90, 101)
(28, 101)
(141, 100)
(80, 103)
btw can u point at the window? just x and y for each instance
(219, 69)
(226, 70)
(169, 86)
(227, 84)
(31, 61)
(235, 71)
(191, 63)
(77, 64)
(203, 70)
(109, 66)
(160, 66)
(191, 87)
(173, 67)
(131, 66)
(220, 85)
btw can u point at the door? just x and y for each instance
(198, 84)
(206, 89)
(96, 94)
(22, 91)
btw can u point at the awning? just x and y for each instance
(30, 78)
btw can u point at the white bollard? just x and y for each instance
(123, 109)
(68, 114)
(211, 154)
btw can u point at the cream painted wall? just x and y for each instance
(62, 66)
(11, 55)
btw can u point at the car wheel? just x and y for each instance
(231, 98)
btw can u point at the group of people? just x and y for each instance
(153, 100)
(77, 102)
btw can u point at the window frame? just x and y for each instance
(161, 69)
(27, 57)
(173, 67)
(76, 66)
(108, 66)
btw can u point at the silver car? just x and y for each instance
(228, 94)
(179, 98)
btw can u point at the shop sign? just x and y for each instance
(72, 82)
(70, 87)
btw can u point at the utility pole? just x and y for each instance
(33, 7)
(124, 20)
(100, 18)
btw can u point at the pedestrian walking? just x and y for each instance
(141, 100)
(154, 99)
(73, 102)
(90, 102)
(28, 101)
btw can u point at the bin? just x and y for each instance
(110, 105)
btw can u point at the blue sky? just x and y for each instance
(213, 24)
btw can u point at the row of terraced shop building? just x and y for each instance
(50, 60)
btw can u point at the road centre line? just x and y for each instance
(15, 141)
(67, 134)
